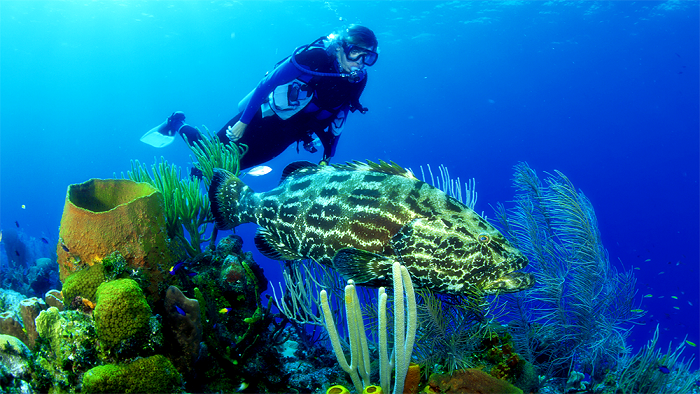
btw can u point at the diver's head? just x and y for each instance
(355, 47)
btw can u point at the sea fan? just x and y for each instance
(579, 314)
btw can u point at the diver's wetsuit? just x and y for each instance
(267, 137)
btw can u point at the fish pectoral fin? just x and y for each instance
(362, 266)
(271, 246)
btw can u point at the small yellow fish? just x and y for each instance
(662, 272)
(24, 206)
(648, 296)
(637, 311)
(690, 343)
(647, 260)
(637, 268)
(674, 297)
(225, 310)
(675, 307)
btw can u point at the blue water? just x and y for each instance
(605, 92)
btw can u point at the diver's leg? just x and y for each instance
(266, 138)
(172, 124)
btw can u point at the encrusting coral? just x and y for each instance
(121, 313)
(155, 374)
(83, 283)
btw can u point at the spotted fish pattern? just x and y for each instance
(359, 218)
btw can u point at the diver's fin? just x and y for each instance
(363, 267)
(156, 139)
(225, 194)
(297, 165)
(271, 246)
(164, 134)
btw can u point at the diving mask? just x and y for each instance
(355, 53)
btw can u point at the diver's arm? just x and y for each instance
(329, 142)
(283, 74)
(355, 101)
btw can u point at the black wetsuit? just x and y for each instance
(267, 137)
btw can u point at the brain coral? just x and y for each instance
(83, 283)
(121, 312)
(154, 374)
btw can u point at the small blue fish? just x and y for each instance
(191, 274)
(180, 311)
(664, 369)
(176, 267)
(65, 248)
(44, 240)
(17, 224)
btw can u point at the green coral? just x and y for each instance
(83, 283)
(154, 374)
(121, 312)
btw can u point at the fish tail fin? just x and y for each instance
(227, 194)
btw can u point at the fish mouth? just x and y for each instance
(510, 283)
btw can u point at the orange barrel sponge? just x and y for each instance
(102, 216)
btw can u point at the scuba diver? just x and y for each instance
(310, 92)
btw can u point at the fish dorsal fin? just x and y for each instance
(362, 266)
(390, 168)
(295, 166)
(271, 246)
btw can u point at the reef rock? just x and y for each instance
(9, 325)
(29, 310)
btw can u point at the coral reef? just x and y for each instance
(28, 265)
(104, 216)
(155, 374)
(15, 365)
(469, 381)
(68, 348)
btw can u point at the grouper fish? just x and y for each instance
(359, 218)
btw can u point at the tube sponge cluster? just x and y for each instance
(121, 312)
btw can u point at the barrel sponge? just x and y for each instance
(83, 283)
(154, 374)
(121, 312)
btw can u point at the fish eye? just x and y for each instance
(484, 238)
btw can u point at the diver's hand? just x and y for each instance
(235, 132)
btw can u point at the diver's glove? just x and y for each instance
(310, 146)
